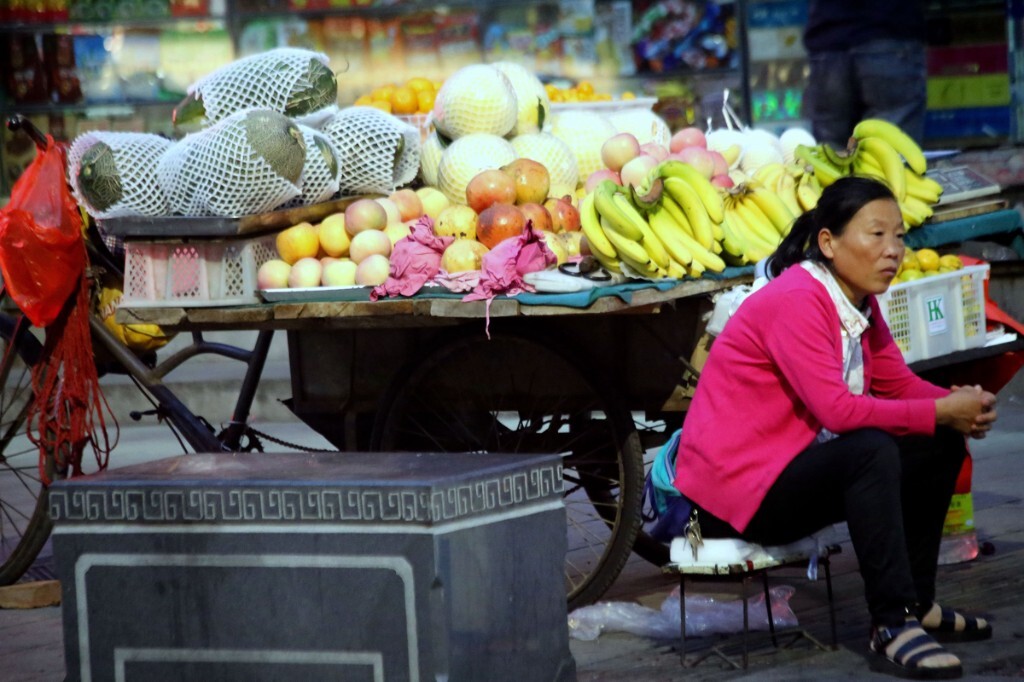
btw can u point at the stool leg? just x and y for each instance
(682, 619)
(831, 602)
(746, 620)
(768, 606)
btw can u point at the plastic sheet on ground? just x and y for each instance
(705, 615)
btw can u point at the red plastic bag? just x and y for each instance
(41, 251)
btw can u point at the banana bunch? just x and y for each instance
(679, 235)
(880, 150)
(796, 184)
(756, 220)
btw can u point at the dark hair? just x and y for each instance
(838, 204)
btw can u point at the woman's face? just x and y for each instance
(866, 256)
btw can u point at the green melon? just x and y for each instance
(98, 179)
(278, 141)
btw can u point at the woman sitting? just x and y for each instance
(806, 415)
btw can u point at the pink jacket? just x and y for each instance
(773, 380)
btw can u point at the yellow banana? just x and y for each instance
(769, 173)
(695, 270)
(590, 225)
(734, 244)
(609, 263)
(611, 210)
(917, 208)
(676, 270)
(785, 187)
(700, 253)
(642, 268)
(754, 247)
(758, 224)
(897, 139)
(696, 213)
(922, 187)
(808, 191)
(674, 210)
(667, 230)
(780, 217)
(823, 170)
(624, 246)
(888, 160)
(654, 247)
(633, 220)
(708, 194)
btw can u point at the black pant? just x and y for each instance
(893, 493)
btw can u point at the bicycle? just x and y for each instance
(24, 520)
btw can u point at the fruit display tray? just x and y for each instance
(170, 227)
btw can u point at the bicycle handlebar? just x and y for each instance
(18, 122)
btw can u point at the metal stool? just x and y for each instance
(745, 570)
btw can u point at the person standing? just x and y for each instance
(867, 60)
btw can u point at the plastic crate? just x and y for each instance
(937, 315)
(194, 273)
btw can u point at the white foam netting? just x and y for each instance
(322, 170)
(218, 172)
(379, 153)
(127, 185)
(268, 80)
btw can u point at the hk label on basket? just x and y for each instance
(936, 310)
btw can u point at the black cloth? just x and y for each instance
(893, 493)
(839, 25)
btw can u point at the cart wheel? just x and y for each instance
(24, 519)
(517, 393)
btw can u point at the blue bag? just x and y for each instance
(663, 504)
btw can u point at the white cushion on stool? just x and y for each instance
(716, 555)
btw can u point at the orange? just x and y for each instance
(363, 101)
(425, 100)
(628, 95)
(419, 84)
(383, 106)
(404, 100)
(585, 88)
(383, 93)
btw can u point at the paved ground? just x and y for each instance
(31, 642)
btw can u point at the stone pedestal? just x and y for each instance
(378, 566)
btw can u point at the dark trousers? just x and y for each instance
(893, 493)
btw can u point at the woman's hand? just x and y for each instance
(968, 409)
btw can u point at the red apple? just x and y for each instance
(723, 181)
(687, 137)
(531, 178)
(654, 149)
(537, 215)
(700, 159)
(490, 187)
(564, 216)
(498, 222)
(618, 150)
(597, 176)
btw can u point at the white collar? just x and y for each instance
(854, 321)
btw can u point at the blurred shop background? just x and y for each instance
(123, 64)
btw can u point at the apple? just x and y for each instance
(687, 137)
(722, 180)
(597, 176)
(396, 232)
(618, 150)
(391, 208)
(273, 274)
(537, 215)
(373, 271)
(306, 272)
(490, 187)
(368, 243)
(719, 165)
(636, 171)
(365, 214)
(434, 201)
(340, 272)
(499, 222)
(296, 242)
(658, 151)
(457, 221)
(334, 239)
(531, 178)
(409, 204)
(700, 159)
(564, 216)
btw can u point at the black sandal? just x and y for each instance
(973, 630)
(917, 647)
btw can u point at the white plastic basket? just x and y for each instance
(194, 273)
(937, 315)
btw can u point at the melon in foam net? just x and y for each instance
(585, 132)
(475, 99)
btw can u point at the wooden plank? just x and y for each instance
(966, 209)
(31, 595)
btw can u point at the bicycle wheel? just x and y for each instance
(24, 519)
(515, 393)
